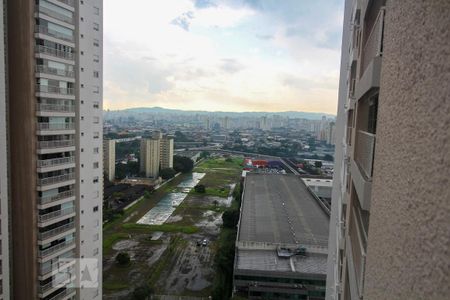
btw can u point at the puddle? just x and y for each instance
(166, 206)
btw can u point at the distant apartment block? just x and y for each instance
(109, 159)
(281, 247)
(54, 127)
(166, 152)
(390, 221)
(150, 156)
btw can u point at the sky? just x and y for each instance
(222, 55)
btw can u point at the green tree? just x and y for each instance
(142, 292)
(200, 188)
(230, 218)
(167, 173)
(318, 164)
(123, 258)
(182, 164)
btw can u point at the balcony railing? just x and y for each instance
(55, 144)
(60, 196)
(63, 294)
(55, 162)
(62, 282)
(67, 2)
(54, 33)
(56, 231)
(364, 152)
(57, 265)
(374, 43)
(56, 214)
(54, 89)
(349, 135)
(56, 126)
(56, 248)
(54, 14)
(54, 52)
(44, 107)
(54, 71)
(55, 179)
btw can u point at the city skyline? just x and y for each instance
(223, 55)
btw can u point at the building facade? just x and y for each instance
(166, 152)
(390, 219)
(109, 159)
(150, 157)
(55, 146)
(4, 177)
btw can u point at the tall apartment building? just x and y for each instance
(4, 207)
(166, 152)
(55, 146)
(109, 159)
(150, 157)
(390, 222)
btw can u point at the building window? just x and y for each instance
(96, 58)
(96, 135)
(96, 27)
(96, 89)
(95, 209)
(96, 150)
(96, 105)
(95, 237)
(95, 180)
(96, 11)
(95, 165)
(96, 120)
(96, 74)
(96, 43)
(95, 253)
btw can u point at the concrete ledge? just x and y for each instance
(370, 78)
(362, 185)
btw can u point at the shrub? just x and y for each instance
(123, 258)
(200, 188)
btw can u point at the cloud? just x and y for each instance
(264, 36)
(231, 66)
(183, 21)
(204, 3)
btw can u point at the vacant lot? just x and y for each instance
(167, 257)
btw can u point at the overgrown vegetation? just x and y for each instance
(182, 164)
(142, 228)
(224, 259)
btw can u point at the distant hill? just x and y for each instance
(160, 110)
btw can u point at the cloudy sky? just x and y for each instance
(229, 55)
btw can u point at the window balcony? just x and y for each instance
(44, 107)
(54, 90)
(374, 43)
(55, 179)
(56, 231)
(56, 126)
(55, 162)
(54, 71)
(364, 152)
(54, 14)
(56, 214)
(54, 33)
(54, 52)
(53, 286)
(55, 144)
(57, 248)
(57, 264)
(63, 294)
(54, 198)
(68, 2)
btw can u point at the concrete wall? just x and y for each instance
(409, 235)
(22, 147)
(4, 205)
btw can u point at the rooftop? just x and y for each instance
(279, 209)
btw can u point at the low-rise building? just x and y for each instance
(281, 247)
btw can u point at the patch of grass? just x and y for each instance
(215, 192)
(111, 239)
(167, 258)
(115, 286)
(164, 228)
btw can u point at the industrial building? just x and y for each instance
(281, 247)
